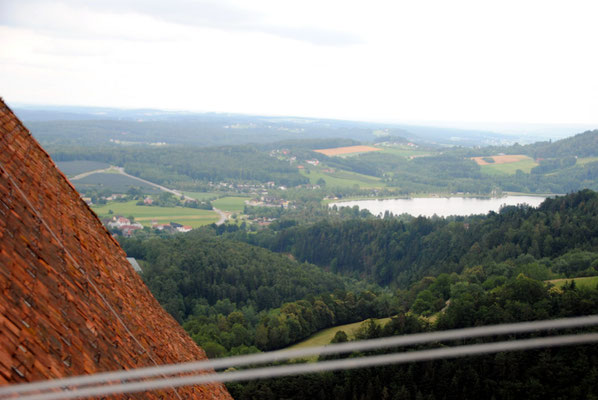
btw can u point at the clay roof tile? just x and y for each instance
(70, 303)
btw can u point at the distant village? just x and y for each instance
(124, 226)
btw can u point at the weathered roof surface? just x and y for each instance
(70, 303)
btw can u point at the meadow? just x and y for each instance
(405, 151)
(343, 179)
(231, 204)
(114, 182)
(338, 151)
(586, 160)
(73, 168)
(507, 166)
(162, 215)
(202, 196)
(324, 336)
(589, 282)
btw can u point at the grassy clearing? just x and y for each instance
(405, 151)
(590, 281)
(145, 215)
(339, 151)
(343, 179)
(586, 160)
(231, 204)
(324, 337)
(73, 168)
(201, 196)
(525, 165)
(115, 182)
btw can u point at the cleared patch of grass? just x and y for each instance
(343, 179)
(231, 204)
(586, 160)
(72, 168)
(324, 337)
(113, 181)
(590, 282)
(405, 151)
(202, 195)
(339, 151)
(525, 165)
(145, 215)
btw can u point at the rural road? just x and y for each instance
(120, 170)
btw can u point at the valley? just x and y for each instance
(279, 245)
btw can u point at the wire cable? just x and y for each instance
(281, 355)
(343, 364)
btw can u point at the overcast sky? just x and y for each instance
(492, 61)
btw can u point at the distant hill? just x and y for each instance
(97, 125)
(581, 145)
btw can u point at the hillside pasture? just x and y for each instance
(343, 179)
(405, 151)
(73, 168)
(338, 151)
(202, 196)
(323, 337)
(589, 282)
(586, 160)
(114, 182)
(505, 164)
(162, 215)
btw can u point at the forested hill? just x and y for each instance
(190, 271)
(186, 165)
(581, 145)
(390, 251)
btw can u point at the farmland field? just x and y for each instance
(324, 337)
(231, 204)
(405, 151)
(586, 160)
(115, 182)
(590, 281)
(337, 151)
(201, 196)
(72, 168)
(145, 215)
(343, 179)
(506, 165)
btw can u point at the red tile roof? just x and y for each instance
(70, 303)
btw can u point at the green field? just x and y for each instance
(509, 168)
(586, 160)
(145, 215)
(404, 151)
(231, 204)
(590, 281)
(72, 168)
(324, 337)
(344, 179)
(201, 196)
(113, 181)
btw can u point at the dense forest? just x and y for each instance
(235, 298)
(559, 373)
(189, 167)
(394, 251)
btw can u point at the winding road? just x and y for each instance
(120, 170)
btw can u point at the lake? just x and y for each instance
(441, 206)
